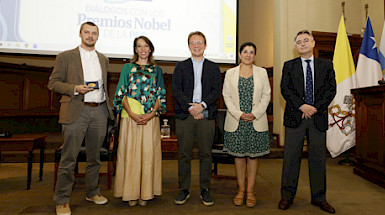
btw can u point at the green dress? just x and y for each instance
(246, 141)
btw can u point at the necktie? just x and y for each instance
(309, 85)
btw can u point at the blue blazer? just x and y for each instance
(293, 91)
(183, 87)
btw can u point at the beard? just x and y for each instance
(89, 44)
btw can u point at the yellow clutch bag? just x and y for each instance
(136, 107)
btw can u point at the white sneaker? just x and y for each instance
(63, 209)
(98, 199)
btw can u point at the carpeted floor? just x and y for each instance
(347, 192)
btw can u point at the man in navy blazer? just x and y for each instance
(196, 87)
(308, 85)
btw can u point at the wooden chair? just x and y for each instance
(107, 154)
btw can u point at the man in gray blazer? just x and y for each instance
(308, 85)
(80, 75)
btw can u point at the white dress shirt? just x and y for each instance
(92, 71)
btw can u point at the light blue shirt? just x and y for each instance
(198, 69)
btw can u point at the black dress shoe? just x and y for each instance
(284, 204)
(324, 206)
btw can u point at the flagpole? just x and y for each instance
(343, 11)
(366, 11)
(346, 161)
(366, 19)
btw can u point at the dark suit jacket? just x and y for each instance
(293, 91)
(66, 74)
(183, 87)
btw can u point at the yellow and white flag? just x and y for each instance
(341, 132)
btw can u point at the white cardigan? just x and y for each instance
(261, 99)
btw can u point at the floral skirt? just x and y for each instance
(246, 141)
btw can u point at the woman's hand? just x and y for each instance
(136, 117)
(247, 117)
(251, 116)
(244, 117)
(146, 118)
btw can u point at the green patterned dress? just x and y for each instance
(246, 141)
(143, 83)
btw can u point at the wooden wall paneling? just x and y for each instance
(325, 43)
(221, 101)
(113, 79)
(170, 102)
(24, 90)
(36, 95)
(26, 93)
(54, 101)
(11, 92)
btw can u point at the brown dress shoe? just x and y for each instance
(284, 204)
(324, 206)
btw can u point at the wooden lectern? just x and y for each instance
(370, 133)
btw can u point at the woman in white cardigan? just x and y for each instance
(246, 92)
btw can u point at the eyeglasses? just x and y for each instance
(199, 43)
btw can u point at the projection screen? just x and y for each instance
(47, 27)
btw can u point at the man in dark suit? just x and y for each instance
(80, 75)
(196, 86)
(308, 85)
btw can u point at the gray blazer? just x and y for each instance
(66, 74)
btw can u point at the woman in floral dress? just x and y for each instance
(139, 97)
(246, 91)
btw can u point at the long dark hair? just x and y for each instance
(151, 59)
